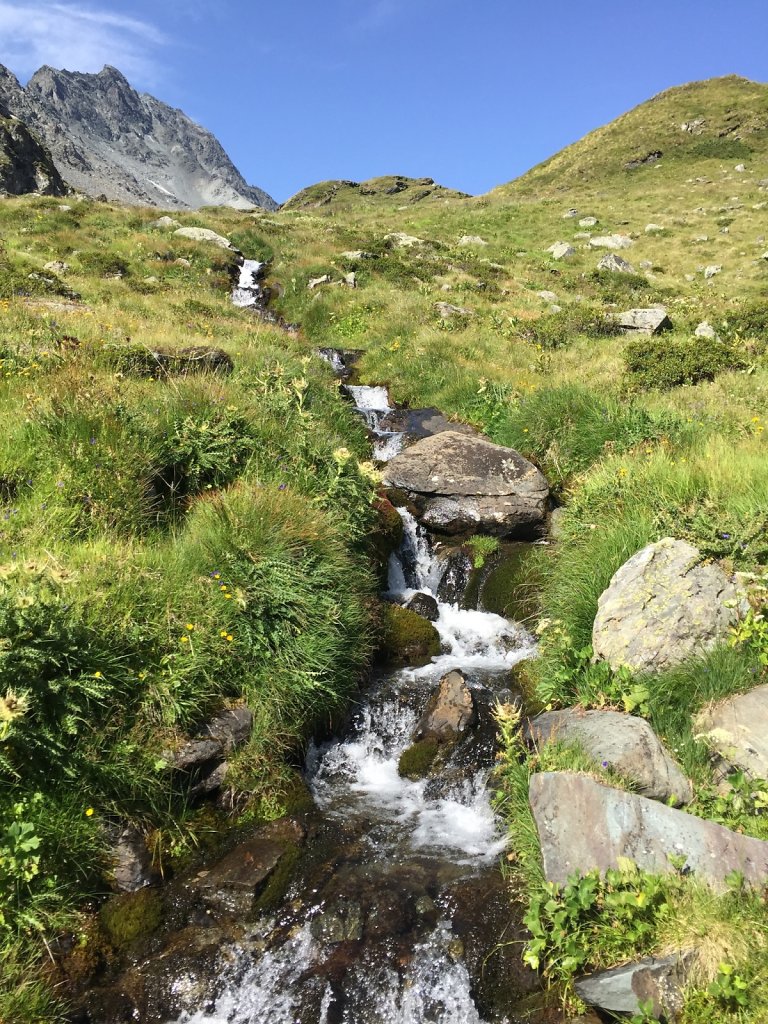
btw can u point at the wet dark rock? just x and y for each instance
(449, 712)
(341, 360)
(419, 423)
(131, 860)
(424, 605)
(660, 982)
(194, 755)
(231, 728)
(456, 575)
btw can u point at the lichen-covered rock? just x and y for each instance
(205, 235)
(624, 742)
(737, 729)
(662, 606)
(459, 482)
(584, 826)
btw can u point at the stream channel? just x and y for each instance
(398, 913)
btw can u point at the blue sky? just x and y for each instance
(472, 94)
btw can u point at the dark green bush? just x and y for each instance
(556, 330)
(665, 363)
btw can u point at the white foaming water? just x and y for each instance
(248, 291)
(373, 404)
(434, 987)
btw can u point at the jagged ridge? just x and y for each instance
(107, 138)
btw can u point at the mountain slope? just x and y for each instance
(25, 164)
(105, 137)
(388, 192)
(717, 119)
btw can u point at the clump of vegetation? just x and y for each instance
(671, 362)
(407, 638)
(557, 330)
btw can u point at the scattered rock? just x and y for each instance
(587, 222)
(582, 236)
(712, 270)
(547, 296)
(131, 861)
(315, 282)
(584, 826)
(695, 127)
(662, 606)
(401, 240)
(450, 711)
(446, 311)
(165, 224)
(700, 238)
(424, 605)
(570, 214)
(740, 168)
(57, 267)
(616, 264)
(706, 330)
(653, 320)
(231, 728)
(611, 242)
(358, 254)
(205, 235)
(471, 240)
(350, 280)
(459, 481)
(737, 729)
(561, 250)
(653, 229)
(624, 742)
(182, 262)
(623, 989)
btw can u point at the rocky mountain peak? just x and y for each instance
(107, 138)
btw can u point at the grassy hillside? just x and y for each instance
(129, 498)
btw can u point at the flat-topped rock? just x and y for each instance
(652, 320)
(584, 826)
(462, 482)
(624, 742)
(611, 242)
(662, 606)
(205, 235)
(737, 729)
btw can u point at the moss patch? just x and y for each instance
(506, 589)
(416, 761)
(407, 638)
(133, 916)
(279, 880)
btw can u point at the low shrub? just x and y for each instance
(663, 363)
(557, 330)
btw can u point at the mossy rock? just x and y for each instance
(132, 916)
(416, 761)
(278, 882)
(407, 638)
(387, 533)
(505, 588)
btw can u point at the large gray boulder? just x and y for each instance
(561, 251)
(205, 235)
(624, 742)
(737, 729)
(584, 826)
(662, 606)
(459, 482)
(644, 321)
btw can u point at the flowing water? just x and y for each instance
(248, 290)
(369, 932)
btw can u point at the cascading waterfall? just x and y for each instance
(248, 290)
(399, 845)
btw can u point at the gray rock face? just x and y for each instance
(205, 235)
(450, 711)
(106, 138)
(587, 222)
(706, 330)
(663, 606)
(611, 242)
(25, 164)
(471, 240)
(462, 482)
(624, 742)
(616, 264)
(131, 861)
(165, 224)
(446, 311)
(644, 321)
(737, 729)
(584, 826)
(712, 270)
(623, 989)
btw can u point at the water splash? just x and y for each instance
(248, 291)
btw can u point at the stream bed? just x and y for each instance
(397, 913)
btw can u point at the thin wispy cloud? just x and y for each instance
(378, 14)
(77, 37)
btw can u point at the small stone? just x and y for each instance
(358, 254)
(712, 270)
(646, 264)
(424, 605)
(706, 330)
(547, 296)
(401, 240)
(611, 242)
(57, 267)
(570, 214)
(653, 229)
(450, 711)
(623, 989)
(446, 311)
(587, 222)
(350, 280)
(740, 168)
(471, 240)
(165, 224)
(316, 282)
